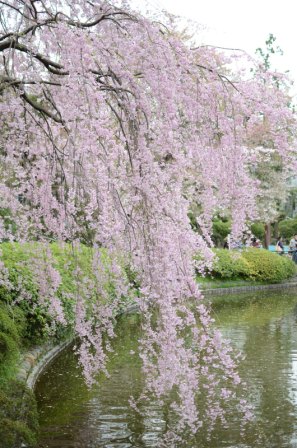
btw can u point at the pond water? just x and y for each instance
(263, 326)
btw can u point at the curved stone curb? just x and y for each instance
(36, 360)
(235, 289)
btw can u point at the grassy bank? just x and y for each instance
(216, 283)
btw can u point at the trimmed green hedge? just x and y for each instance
(253, 264)
(229, 264)
(267, 266)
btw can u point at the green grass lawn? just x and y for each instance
(214, 283)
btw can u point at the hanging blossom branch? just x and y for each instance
(111, 129)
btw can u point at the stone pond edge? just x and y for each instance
(35, 361)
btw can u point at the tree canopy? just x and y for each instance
(111, 125)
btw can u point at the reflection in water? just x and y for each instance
(262, 326)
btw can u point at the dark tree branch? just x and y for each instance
(12, 41)
(217, 47)
(40, 108)
(9, 82)
(30, 29)
(222, 77)
(52, 66)
(35, 13)
(123, 131)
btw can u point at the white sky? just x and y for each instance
(244, 24)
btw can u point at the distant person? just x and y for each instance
(293, 248)
(255, 243)
(279, 247)
(260, 246)
(227, 242)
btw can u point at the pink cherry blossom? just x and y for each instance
(112, 127)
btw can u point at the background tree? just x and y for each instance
(272, 171)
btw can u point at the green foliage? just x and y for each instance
(67, 260)
(193, 221)
(8, 222)
(267, 266)
(253, 264)
(221, 230)
(288, 228)
(18, 416)
(132, 277)
(74, 265)
(268, 51)
(258, 229)
(229, 264)
(12, 328)
(18, 259)
(7, 347)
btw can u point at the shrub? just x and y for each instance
(229, 264)
(253, 264)
(8, 347)
(267, 266)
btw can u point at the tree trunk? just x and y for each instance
(275, 230)
(267, 235)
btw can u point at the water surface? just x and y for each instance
(263, 326)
